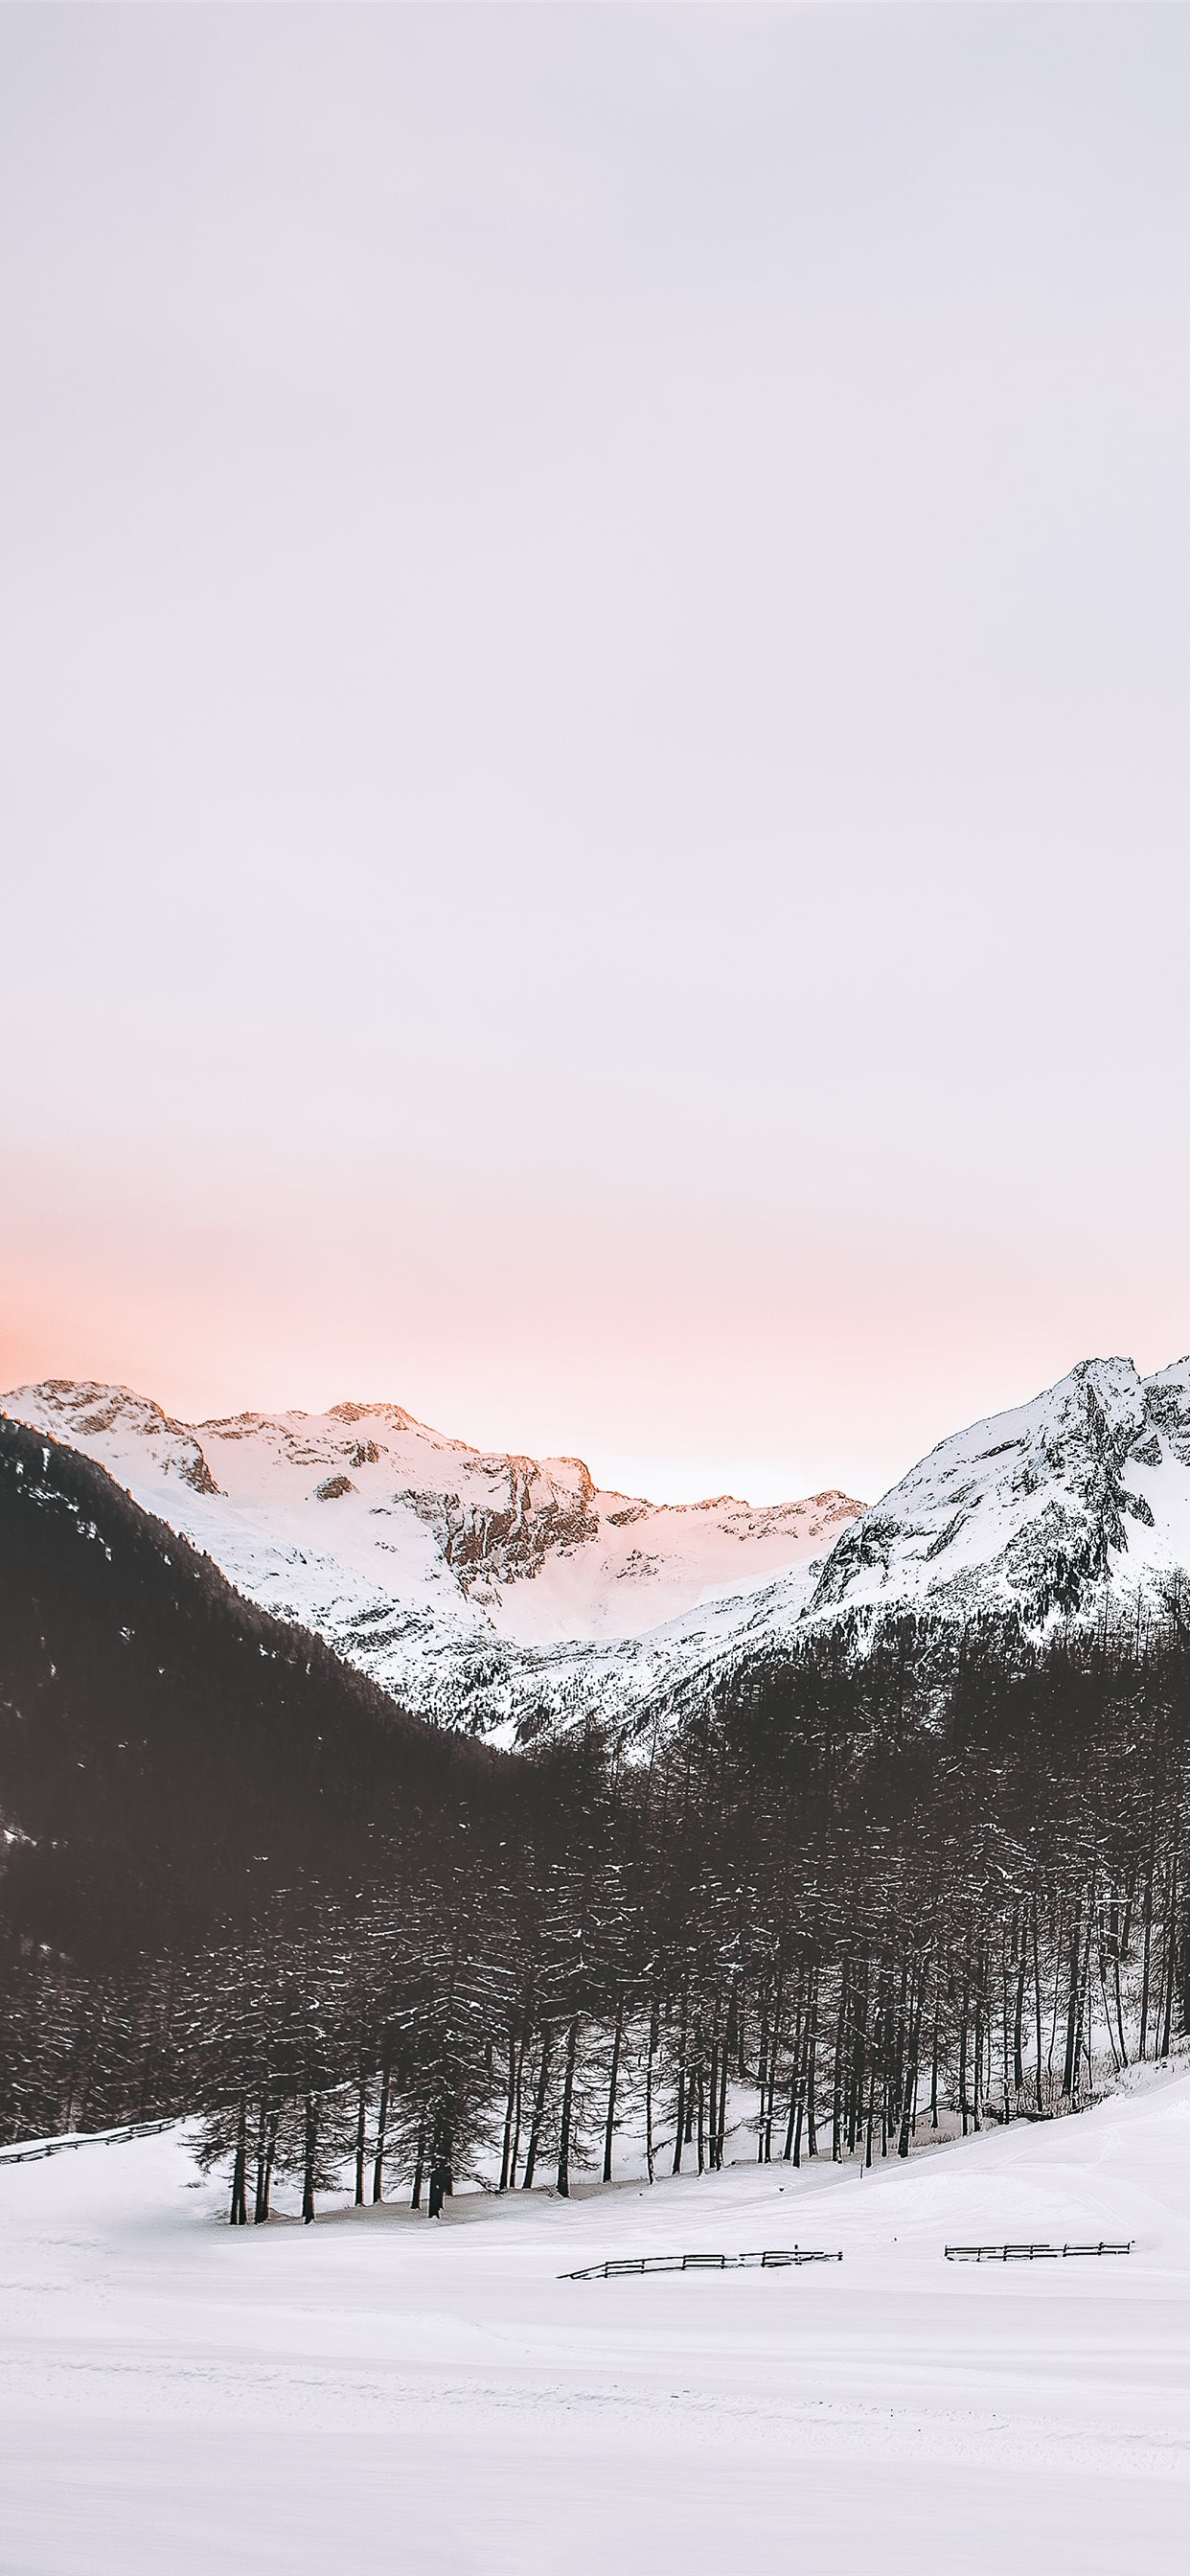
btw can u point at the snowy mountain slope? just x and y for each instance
(1040, 1510)
(511, 1593)
(476, 1587)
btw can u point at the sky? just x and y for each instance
(595, 776)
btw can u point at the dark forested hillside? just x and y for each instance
(169, 1753)
(891, 1881)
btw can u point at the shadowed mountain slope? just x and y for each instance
(168, 1750)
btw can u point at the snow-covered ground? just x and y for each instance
(378, 2393)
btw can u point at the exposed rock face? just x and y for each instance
(112, 1417)
(1084, 1492)
(525, 1517)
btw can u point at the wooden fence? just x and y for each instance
(1031, 2253)
(775, 2258)
(32, 2155)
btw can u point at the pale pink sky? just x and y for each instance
(595, 786)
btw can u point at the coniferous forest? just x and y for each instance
(906, 1879)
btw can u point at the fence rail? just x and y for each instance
(32, 2155)
(774, 2258)
(1031, 2253)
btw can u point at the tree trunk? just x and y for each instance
(1084, 1980)
(1111, 2036)
(840, 2047)
(309, 2159)
(909, 2094)
(1018, 2027)
(1170, 1963)
(1076, 1960)
(1148, 1921)
(1119, 2000)
(796, 2076)
(522, 2052)
(509, 2113)
(812, 2069)
(964, 2013)
(567, 2108)
(258, 2211)
(654, 2031)
(239, 2171)
(361, 2140)
(538, 2113)
(381, 2130)
(1037, 2004)
(613, 2080)
(680, 2121)
(264, 2181)
(442, 2161)
(769, 2094)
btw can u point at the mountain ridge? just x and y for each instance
(491, 1590)
(511, 1595)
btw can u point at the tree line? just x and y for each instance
(902, 1879)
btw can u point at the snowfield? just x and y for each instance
(384, 2393)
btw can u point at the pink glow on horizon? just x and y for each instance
(595, 777)
(737, 1391)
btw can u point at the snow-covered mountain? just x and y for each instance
(1086, 1490)
(477, 1588)
(512, 1593)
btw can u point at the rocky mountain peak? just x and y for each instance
(1035, 1510)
